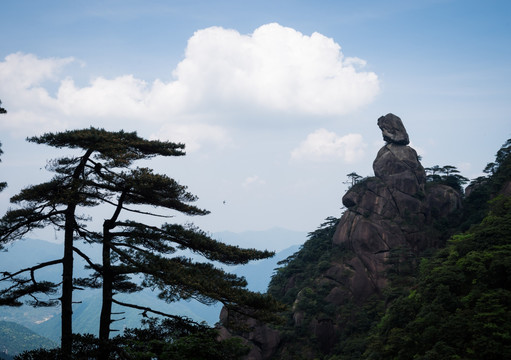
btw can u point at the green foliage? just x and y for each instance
(117, 149)
(461, 307)
(160, 339)
(483, 189)
(446, 175)
(294, 280)
(170, 339)
(302, 284)
(15, 338)
(314, 255)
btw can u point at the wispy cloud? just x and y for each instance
(323, 145)
(253, 181)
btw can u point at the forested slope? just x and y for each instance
(15, 338)
(452, 302)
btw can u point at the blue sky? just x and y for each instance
(276, 100)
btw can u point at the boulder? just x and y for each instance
(442, 200)
(399, 167)
(261, 339)
(393, 130)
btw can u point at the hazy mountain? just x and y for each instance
(276, 239)
(258, 273)
(15, 338)
(46, 321)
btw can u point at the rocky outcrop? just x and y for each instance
(393, 130)
(262, 340)
(387, 212)
(388, 216)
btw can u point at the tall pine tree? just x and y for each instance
(55, 203)
(103, 174)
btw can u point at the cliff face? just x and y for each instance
(388, 212)
(389, 221)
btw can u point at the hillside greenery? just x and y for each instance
(157, 339)
(455, 303)
(296, 284)
(15, 338)
(460, 307)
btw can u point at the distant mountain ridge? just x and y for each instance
(15, 338)
(29, 252)
(275, 239)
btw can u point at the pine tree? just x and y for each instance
(55, 203)
(132, 247)
(103, 175)
(353, 179)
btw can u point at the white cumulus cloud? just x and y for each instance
(323, 145)
(224, 75)
(275, 67)
(28, 71)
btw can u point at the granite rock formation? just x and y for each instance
(392, 212)
(393, 130)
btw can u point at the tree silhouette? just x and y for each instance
(447, 175)
(55, 203)
(353, 178)
(102, 174)
(132, 247)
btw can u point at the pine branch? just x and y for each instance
(123, 255)
(131, 247)
(110, 202)
(147, 309)
(87, 259)
(8, 275)
(33, 217)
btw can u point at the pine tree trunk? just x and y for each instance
(66, 340)
(67, 286)
(108, 279)
(106, 308)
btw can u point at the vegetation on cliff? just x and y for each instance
(157, 339)
(460, 306)
(451, 303)
(304, 285)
